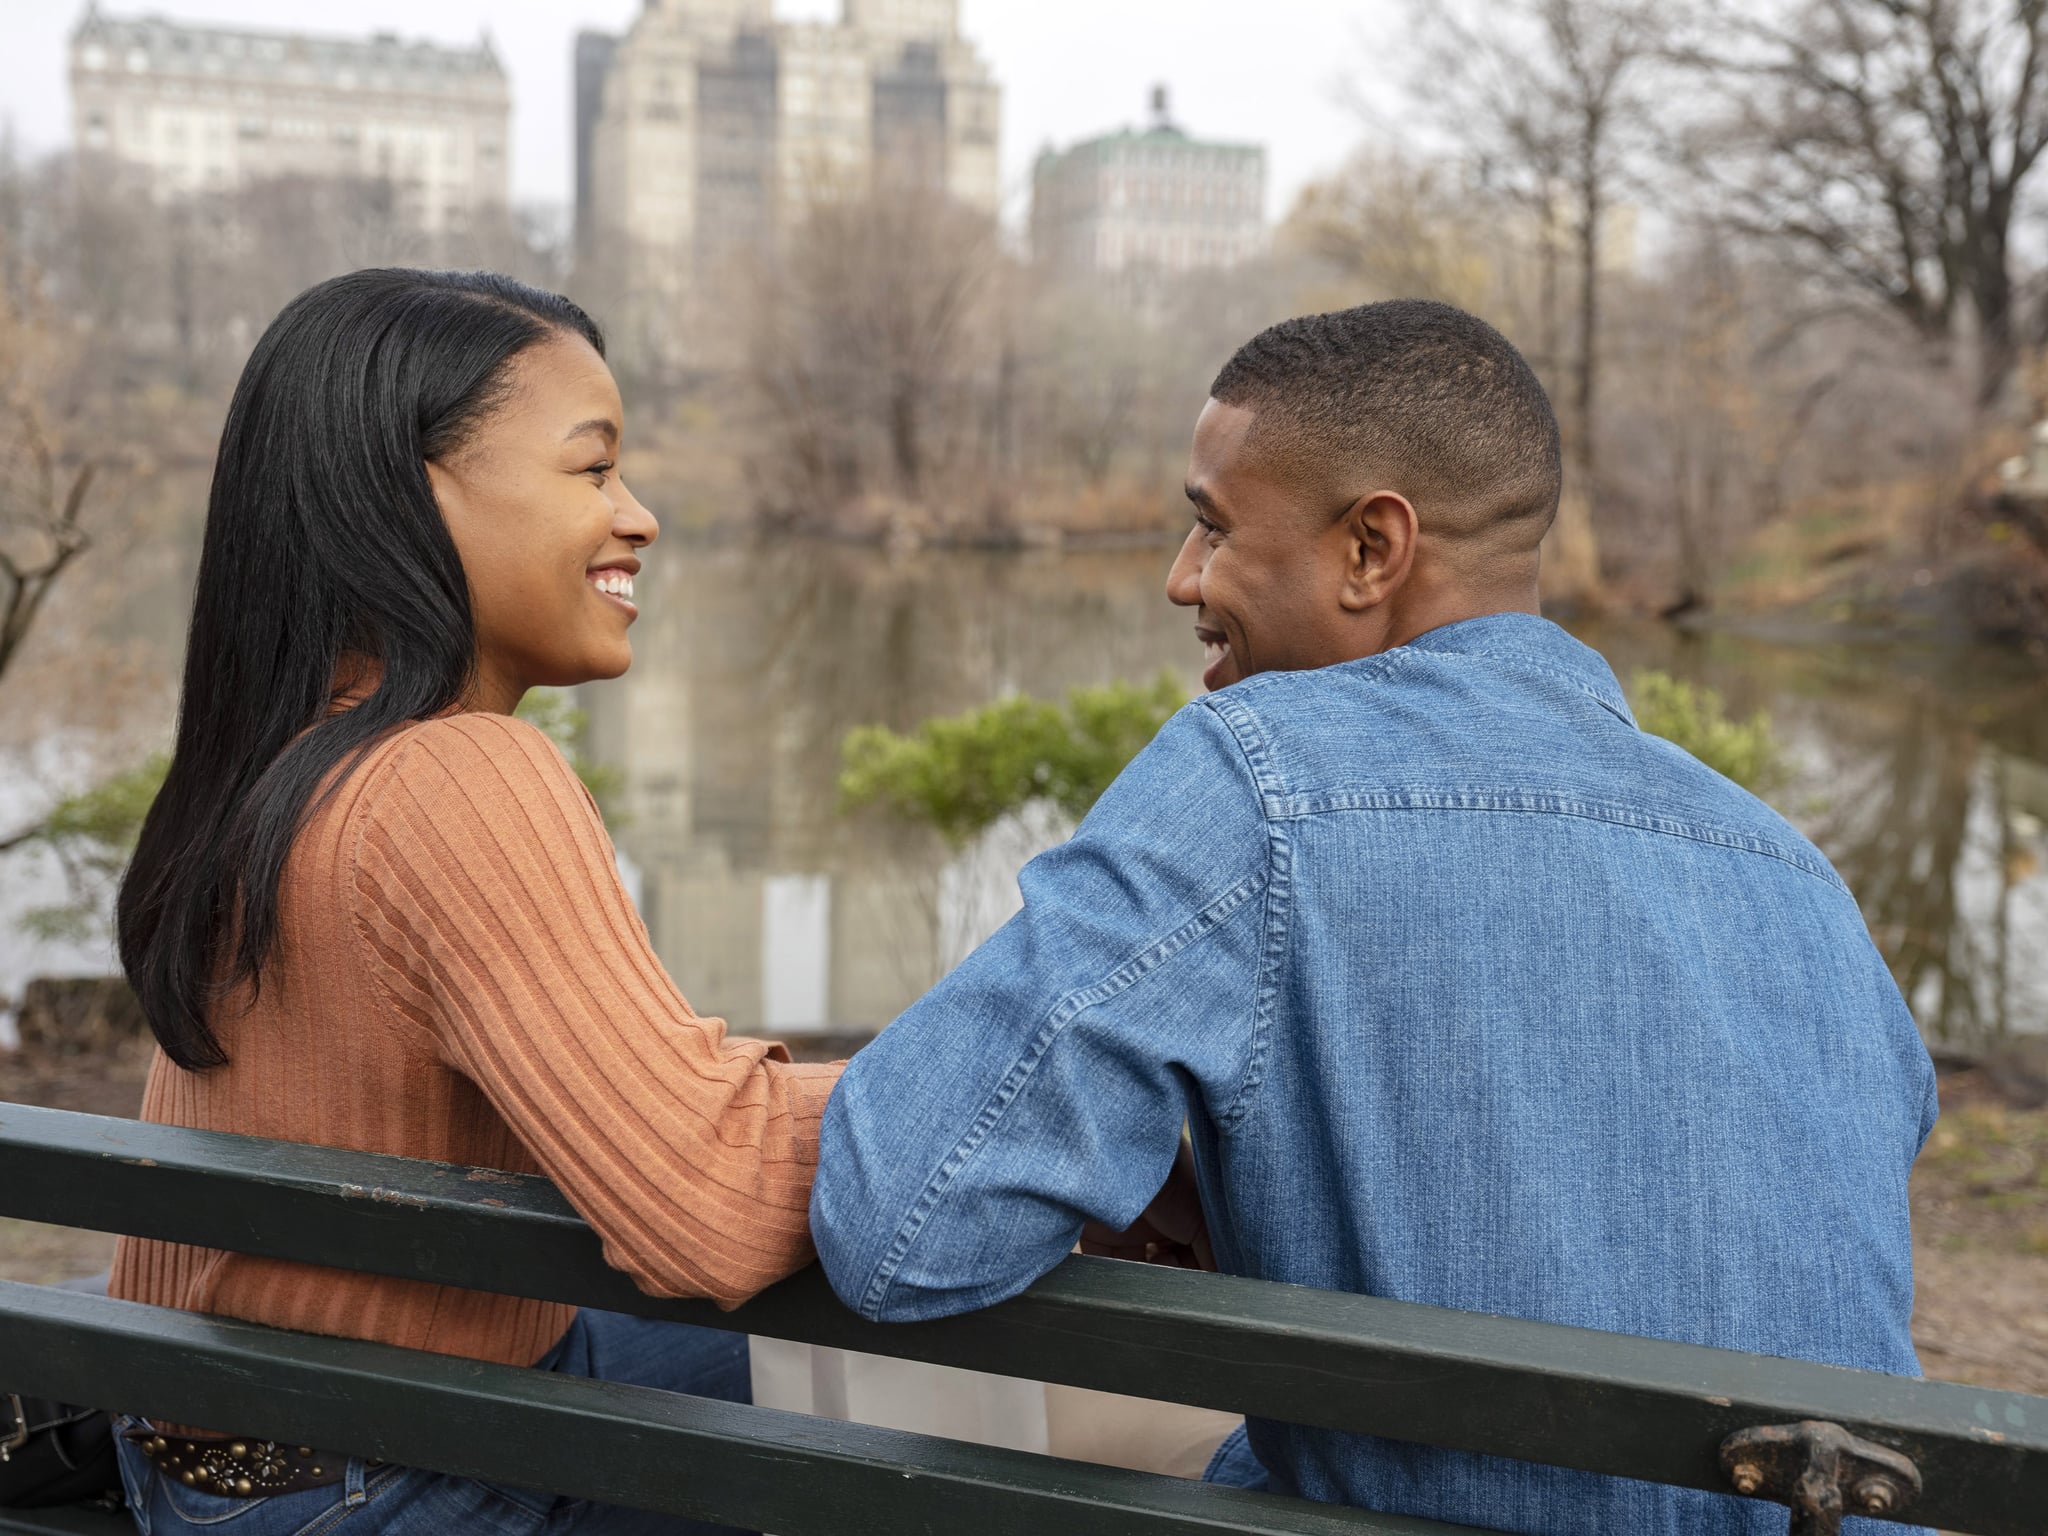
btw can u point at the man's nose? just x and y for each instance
(633, 522)
(1184, 581)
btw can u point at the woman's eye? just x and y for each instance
(600, 470)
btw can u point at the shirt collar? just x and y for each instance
(1534, 641)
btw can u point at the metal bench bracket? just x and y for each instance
(1822, 1471)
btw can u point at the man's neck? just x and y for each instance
(1451, 605)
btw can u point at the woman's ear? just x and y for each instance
(1380, 531)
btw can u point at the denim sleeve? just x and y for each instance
(1045, 1082)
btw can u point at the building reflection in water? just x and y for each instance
(767, 905)
(1923, 774)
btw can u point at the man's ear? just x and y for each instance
(1379, 535)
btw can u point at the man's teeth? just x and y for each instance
(1213, 651)
(616, 583)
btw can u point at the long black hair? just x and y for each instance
(325, 557)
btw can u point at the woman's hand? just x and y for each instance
(1172, 1231)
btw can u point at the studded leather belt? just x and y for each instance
(239, 1468)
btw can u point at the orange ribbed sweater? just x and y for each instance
(460, 976)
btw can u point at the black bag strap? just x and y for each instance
(55, 1453)
(23, 1418)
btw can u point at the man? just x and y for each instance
(1468, 992)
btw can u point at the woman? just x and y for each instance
(369, 909)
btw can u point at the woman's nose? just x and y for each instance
(1184, 581)
(633, 522)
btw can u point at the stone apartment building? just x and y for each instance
(210, 109)
(1150, 201)
(705, 130)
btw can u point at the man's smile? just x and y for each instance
(1215, 653)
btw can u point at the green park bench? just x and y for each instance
(1958, 1457)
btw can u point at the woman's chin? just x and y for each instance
(598, 664)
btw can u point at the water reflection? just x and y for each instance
(1923, 773)
(767, 905)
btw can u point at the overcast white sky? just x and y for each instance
(1273, 73)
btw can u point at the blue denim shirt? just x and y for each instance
(1471, 994)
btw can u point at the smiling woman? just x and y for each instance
(369, 909)
(546, 529)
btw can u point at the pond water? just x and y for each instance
(1923, 772)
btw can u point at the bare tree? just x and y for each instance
(1550, 97)
(862, 345)
(1090, 361)
(1887, 143)
(41, 495)
(1397, 225)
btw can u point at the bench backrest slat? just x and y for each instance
(734, 1465)
(1573, 1397)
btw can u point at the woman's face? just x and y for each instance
(547, 531)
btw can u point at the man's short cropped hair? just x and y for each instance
(1409, 396)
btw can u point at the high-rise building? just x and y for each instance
(1153, 200)
(201, 108)
(594, 52)
(710, 126)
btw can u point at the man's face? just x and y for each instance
(1261, 567)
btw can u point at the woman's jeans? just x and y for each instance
(405, 1501)
(1235, 1466)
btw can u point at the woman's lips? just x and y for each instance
(615, 586)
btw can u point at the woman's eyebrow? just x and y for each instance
(604, 426)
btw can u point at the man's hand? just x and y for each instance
(1172, 1230)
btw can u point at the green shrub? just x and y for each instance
(960, 774)
(93, 832)
(1697, 719)
(563, 723)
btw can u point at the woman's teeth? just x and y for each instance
(614, 584)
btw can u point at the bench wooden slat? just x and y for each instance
(1573, 1397)
(64, 1522)
(753, 1467)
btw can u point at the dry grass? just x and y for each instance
(106, 1085)
(1980, 1235)
(1829, 549)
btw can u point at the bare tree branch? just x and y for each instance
(40, 527)
(1890, 142)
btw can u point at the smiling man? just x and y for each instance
(1467, 991)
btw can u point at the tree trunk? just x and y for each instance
(904, 442)
(1570, 577)
(1585, 385)
(1571, 554)
(1997, 345)
(1552, 301)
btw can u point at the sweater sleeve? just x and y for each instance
(491, 912)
